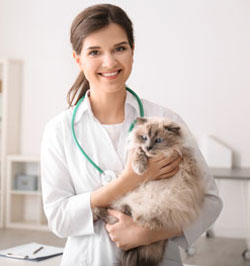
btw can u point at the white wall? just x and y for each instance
(192, 56)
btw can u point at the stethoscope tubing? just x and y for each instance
(74, 133)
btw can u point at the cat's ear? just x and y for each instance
(173, 128)
(141, 120)
(137, 121)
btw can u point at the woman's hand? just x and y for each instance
(158, 167)
(126, 233)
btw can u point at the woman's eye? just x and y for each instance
(144, 137)
(94, 52)
(158, 140)
(120, 48)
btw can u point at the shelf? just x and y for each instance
(27, 166)
(20, 182)
(29, 225)
(23, 192)
(24, 158)
(24, 206)
(10, 114)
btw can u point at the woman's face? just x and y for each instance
(106, 58)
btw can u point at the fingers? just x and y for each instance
(164, 167)
(157, 159)
(169, 174)
(168, 166)
(114, 213)
(163, 160)
(110, 229)
(170, 159)
(113, 217)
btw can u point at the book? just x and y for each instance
(32, 251)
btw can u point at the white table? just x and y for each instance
(14, 262)
(238, 175)
(49, 262)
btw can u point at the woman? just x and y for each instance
(103, 47)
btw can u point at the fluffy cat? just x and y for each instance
(170, 203)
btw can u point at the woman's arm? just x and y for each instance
(69, 214)
(124, 231)
(158, 168)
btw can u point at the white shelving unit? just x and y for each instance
(10, 111)
(24, 208)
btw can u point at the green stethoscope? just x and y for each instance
(106, 175)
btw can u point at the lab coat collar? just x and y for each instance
(131, 100)
(85, 106)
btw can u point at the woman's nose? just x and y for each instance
(109, 61)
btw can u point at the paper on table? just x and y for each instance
(27, 252)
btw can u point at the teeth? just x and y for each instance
(110, 74)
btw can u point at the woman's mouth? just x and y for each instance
(110, 75)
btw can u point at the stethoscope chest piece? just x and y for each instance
(107, 176)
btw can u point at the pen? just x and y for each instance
(16, 256)
(37, 250)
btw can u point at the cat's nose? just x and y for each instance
(149, 148)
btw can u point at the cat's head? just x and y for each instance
(156, 135)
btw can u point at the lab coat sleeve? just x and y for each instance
(212, 204)
(68, 214)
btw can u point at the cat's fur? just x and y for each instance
(171, 203)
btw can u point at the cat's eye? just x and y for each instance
(158, 140)
(143, 137)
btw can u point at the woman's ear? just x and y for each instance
(133, 49)
(76, 57)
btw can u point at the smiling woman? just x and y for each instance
(106, 59)
(103, 48)
(102, 35)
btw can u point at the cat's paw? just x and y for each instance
(140, 162)
(126, 210)
(111, 219)
(102, 214)
(139, 167)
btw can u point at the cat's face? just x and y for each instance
(155, 135)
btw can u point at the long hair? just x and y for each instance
(89, 20)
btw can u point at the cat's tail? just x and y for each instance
(150, 255)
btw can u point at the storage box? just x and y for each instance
(26, 182)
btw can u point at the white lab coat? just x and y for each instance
(68, 179)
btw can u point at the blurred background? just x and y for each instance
(191, 56)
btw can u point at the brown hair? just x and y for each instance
(89, 20)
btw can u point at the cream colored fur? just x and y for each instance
(171, 203)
